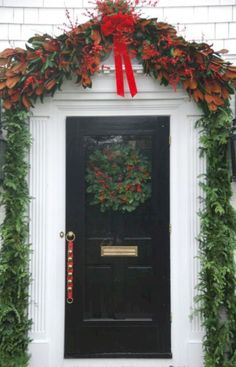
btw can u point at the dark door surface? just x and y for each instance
(121, 260)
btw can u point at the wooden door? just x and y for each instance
(121, 262)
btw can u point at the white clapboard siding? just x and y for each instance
(213, 21)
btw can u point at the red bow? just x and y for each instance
(119, 26)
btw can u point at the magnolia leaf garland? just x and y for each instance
(27, 75)
(118, 178)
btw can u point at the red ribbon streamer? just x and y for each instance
(121, 26)
(121, 51)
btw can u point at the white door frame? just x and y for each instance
(47, 212)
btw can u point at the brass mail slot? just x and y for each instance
(119, 250)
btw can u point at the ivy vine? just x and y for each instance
(26, 75)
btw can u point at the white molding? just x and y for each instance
(38, 212)
(178, 107)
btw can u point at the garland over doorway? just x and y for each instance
(39, 70)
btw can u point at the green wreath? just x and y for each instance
(118, 178)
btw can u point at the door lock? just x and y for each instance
(62, 234)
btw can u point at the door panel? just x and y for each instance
(121, 304)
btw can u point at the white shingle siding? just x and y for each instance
(213, 21)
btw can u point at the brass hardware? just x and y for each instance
(119, 250)
(69, 281)
(69, 288)
(69, 300)
(70, 266)
(70, 236)
(70, 258)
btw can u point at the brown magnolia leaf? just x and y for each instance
(10, 74)
(83, 27)
(223, 51)
(224, 93)
(228, 75)
(232, 68)
(39, 90)
(199, 58)
(215, 67)
(218, 101)
(192, 84)
(12, 91)
(164, 26)
(7, 104)
(7, 52)
(212, 107)
(2, 85)
(144, 23)
(11, 82)
(20, 50)
(3, 62)
(15, 97)
(209, 98)
(86, 80)
(96, 37)
(198, 95)
(186, 83)
(50, 84)
(166, 75)
(212, 86)
(26, 102)
(178, 52)
(20, 67)
(50, 46)
(31, 56)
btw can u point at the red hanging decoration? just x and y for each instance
(119, 26)
(70, 270)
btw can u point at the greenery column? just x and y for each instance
(15, 249)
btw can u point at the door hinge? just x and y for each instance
(170, 228)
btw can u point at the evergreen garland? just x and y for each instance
(217, 283)
(14, 254)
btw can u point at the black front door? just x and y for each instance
(117, 206)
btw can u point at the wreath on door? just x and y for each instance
(118, 178)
